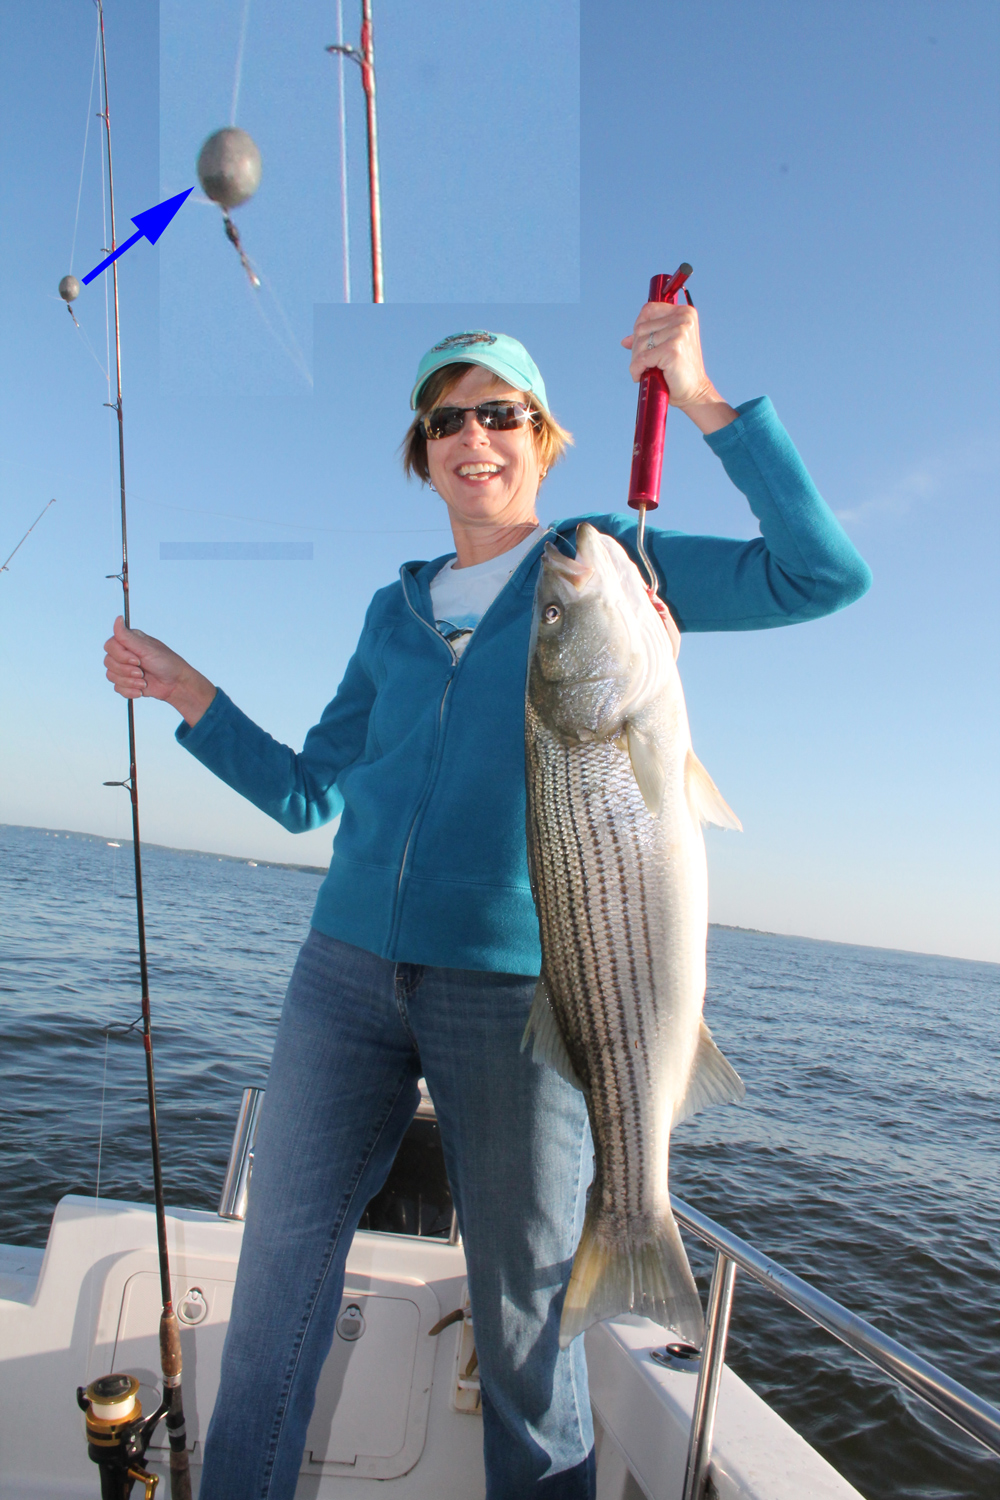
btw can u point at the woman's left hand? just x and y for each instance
(666, 338)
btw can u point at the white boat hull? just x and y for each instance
(395, 1408)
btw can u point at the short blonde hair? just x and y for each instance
(551, 440)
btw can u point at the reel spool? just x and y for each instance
(118, 1435)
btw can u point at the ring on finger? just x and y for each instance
(650, 342)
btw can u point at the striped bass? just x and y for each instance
(616, 800)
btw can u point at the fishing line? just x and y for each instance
(104, 1082)
(76, 220)
(86, 134)
(104, 236)
(93, 353)
(224, 515)
(291, 349)
(256, 279)
(107, 320)
(238, 79)
(343, 155)
(116, 1224)
(108, 1008)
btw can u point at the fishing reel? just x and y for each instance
(118, 1434)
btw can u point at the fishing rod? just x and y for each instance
(364, 56)
(117, 1434)
(651, 426)
(3, 566)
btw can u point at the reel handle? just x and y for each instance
(651, 415)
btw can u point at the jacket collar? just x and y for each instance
(415, 577)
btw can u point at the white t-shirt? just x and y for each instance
(461, 596)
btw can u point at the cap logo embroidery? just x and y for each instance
(463, 341)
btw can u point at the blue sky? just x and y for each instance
(830, 172)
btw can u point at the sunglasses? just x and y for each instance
(495, 416)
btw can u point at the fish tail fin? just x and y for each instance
(650, 1277)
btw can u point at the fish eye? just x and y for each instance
(551, 613)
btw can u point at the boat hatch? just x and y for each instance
(374, 1395)
(371, 1407)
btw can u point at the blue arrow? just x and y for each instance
(150, 225)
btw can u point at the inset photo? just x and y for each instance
(362, 151)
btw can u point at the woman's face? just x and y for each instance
(483, 475)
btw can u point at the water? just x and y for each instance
(864, 1158)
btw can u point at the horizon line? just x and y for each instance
(278, 864)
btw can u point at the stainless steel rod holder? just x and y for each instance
(233, 1202)
(713, 1355)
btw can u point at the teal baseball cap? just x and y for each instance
(498, 352)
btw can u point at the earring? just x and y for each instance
(431, 487)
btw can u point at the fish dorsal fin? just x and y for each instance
(549, 1046)
(713, 1080)
(647, 767)
(706, 802)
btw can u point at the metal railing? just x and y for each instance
(236, 1187)
(233, 1201)
(968, 1411)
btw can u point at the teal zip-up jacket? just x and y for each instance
(422, 752)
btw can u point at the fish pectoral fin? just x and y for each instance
(647, 767)
(713, 1079)
(549, 1047)
(706, 802)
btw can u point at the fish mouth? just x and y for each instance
(571, 570)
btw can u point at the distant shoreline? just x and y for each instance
(235, 859)
(277, 864)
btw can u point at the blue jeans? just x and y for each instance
(356, 1033)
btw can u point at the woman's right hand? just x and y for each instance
(140, 666)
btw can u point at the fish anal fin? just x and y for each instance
(706, 802)
(713, 1079)
(647, 767)
(651, 1278)
(549, 1047)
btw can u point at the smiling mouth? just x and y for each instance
(478, 471)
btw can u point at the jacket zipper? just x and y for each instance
(423, 800)
(455, 664)
(420, 805)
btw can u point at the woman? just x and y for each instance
(423, 950)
